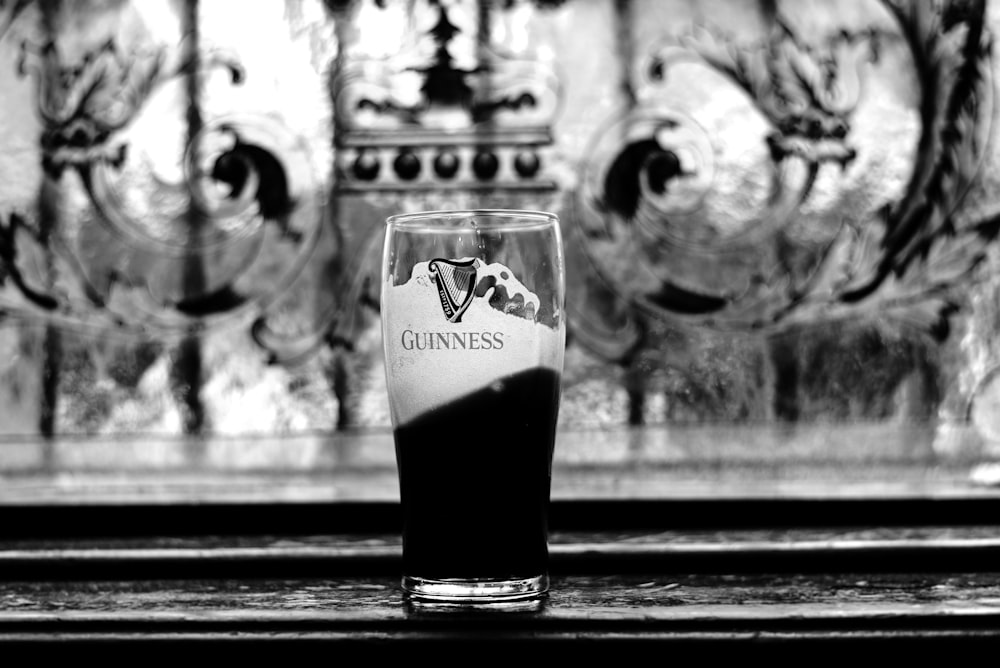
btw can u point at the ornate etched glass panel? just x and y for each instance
(780, 219)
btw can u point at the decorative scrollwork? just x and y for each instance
(450, 110)
(186, 235)
(767, 245)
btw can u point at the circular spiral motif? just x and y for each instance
(675, 223)
(233, 230)
(815, 182)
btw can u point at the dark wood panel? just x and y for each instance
(729, 593)
(136, 517)
(726, 613)
(812, 551)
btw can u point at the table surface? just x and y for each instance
(251, 547)
(725, 591)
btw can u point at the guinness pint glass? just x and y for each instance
(474, 333)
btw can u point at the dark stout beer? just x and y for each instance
(473, 360)
(474, 481)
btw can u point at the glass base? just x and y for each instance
(475, 591)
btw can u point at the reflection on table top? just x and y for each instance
(706, 461)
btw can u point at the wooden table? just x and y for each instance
(157, 561)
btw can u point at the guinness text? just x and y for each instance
(451, 340)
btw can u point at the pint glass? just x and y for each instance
(474, 333)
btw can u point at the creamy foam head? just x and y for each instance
(432, 361)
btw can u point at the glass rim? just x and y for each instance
(514, 218)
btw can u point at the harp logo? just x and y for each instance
(456, 285)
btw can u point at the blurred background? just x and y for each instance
(780, 218)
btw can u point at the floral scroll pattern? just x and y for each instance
(908, 256)
(184, 234)
(724, 203)
(759, 204)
